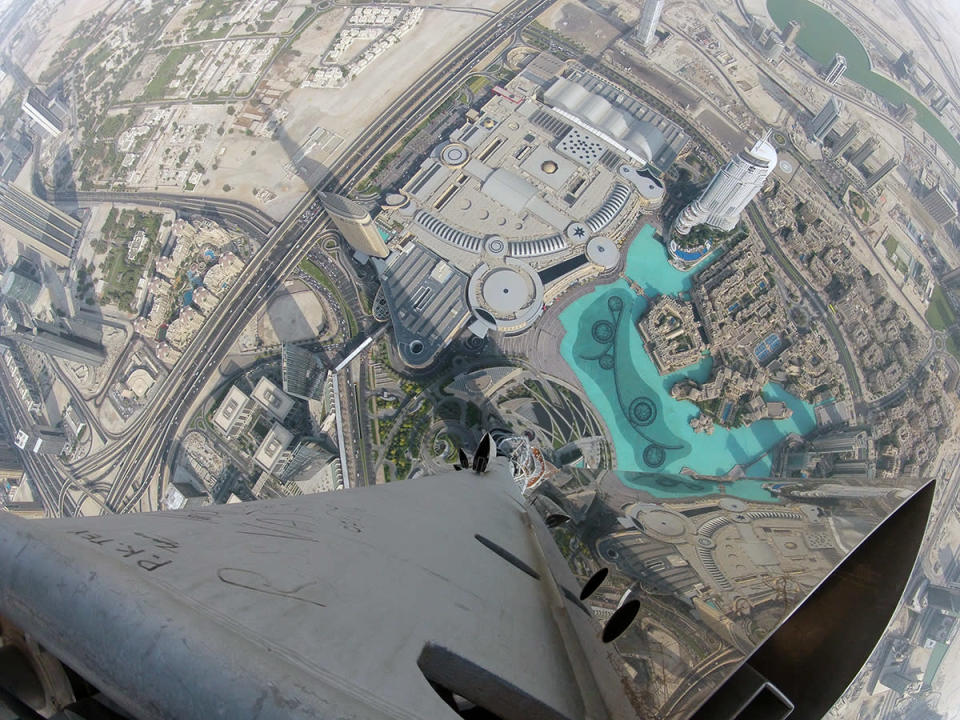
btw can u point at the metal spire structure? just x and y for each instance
(511, 589)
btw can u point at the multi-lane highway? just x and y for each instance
(247, 217)
(143, 451)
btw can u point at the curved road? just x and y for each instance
(133, 460)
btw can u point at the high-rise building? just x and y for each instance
(303, 374)
(824, 120)
(37, 107)
(647, 26)
(308, 455)
(941, 208)
(846, 140)
(836, 70)
(905, 64)
(272, 399)
(355, 224)
(905, 113)
(38, 224)
(48, 338)
(235, 412)
(864, 151)
(789, 33)
(881, 172)
(15, 150)
(731, 189)
(773, 47)
(940, 104)
(41, 440)
(840, 442)
(21, 281)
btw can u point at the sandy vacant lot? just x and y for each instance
(341, 113)
(291, 317)
(580, 24)
(64, 16)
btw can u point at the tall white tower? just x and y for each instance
(649, 17)
(730, 190)
(836, 70)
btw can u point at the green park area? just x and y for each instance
(940, 315)
(406, 442)
(890, 244)
(859, 207)
(953, 343)
(120, 274)
(165, 74)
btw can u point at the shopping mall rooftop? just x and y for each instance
(532, 194)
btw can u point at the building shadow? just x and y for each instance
(315, 174)
(287, 319)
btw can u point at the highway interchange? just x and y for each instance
(118, 475)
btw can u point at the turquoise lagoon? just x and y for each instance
(651, 430)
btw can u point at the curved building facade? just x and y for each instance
(730, 190)
(355, 224)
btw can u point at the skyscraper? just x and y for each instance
(881, 172)
(47, 338)
(647, 26)
(37, 107)
(355, 224)
(40, 439)
(789, 33)
(940, 104)
(864, 151)
(20, 282)
(773, 47)
(824, 120)
(303, 373)
(730, 190)
(846, 140)
(941, 208)
(836, 70)
(38, 224)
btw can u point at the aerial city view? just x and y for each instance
(693, 265)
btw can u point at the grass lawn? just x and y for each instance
(940, 315)
(157, 87)
(891, 244)
(953, 344)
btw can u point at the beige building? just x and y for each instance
(355, 224)
(277, 439)
(234, 412)
(671, 334)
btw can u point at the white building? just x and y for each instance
(647, 27)
(730, 190)
(836, 70)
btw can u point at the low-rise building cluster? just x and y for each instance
(671, 334)
(192, 275)
(879, 332)
(909, 432)
(378, 27)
